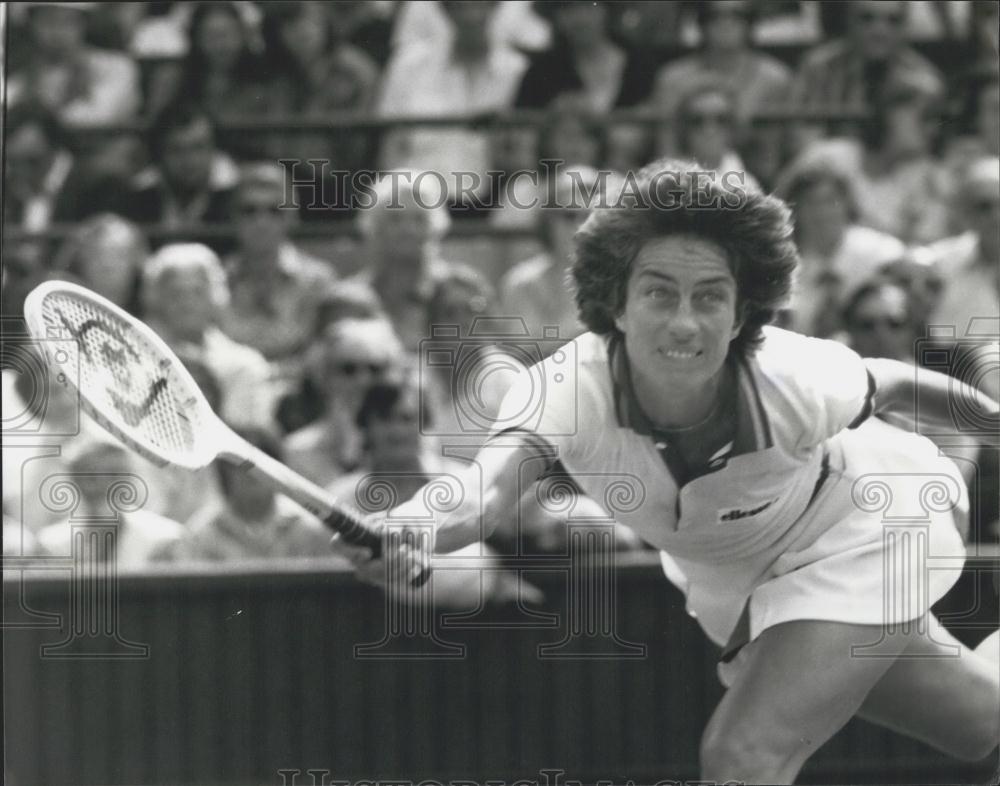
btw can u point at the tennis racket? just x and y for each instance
(136, 388)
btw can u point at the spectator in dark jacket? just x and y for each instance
(191, 181)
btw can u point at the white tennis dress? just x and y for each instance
(815, 512)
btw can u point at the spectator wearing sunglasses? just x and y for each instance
(348, 357)
(708, 131)
(852, 72)
(755, 80)
(880, 321)
(276, 286)
(969, 263)
(837, 253)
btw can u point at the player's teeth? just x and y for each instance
(681, 355)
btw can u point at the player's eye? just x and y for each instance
(711, 297)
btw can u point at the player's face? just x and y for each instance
(680, 312)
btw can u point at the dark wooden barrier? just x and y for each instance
(251, 673)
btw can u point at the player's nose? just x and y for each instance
(683, 324)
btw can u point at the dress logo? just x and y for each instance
(734, 514)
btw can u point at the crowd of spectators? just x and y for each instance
(176, 158)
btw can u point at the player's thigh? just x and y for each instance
(941, 693)
(799, 685)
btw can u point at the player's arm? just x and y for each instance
(490, 490)
(938, 400)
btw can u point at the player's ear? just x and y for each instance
(737, 324)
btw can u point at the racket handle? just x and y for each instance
(350, 524)
(354, 531)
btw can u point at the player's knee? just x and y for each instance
(746, 757)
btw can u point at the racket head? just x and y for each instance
(128, 379)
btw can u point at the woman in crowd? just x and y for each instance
(348, 356)
(837, 254)
(708, 130)
(222, 72)
(106, 253)
(184, 295)
(892, 163)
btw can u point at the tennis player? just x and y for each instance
(753, 443)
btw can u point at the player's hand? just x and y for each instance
(409, 567)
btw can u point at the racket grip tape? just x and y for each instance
(356, 532)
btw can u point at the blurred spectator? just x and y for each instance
(83, 85)
(253, 522)
(190, 181)
(184, 293)
(574, 137)
(276, 286)
(221, 72)
(837, 254)
(106, 254)
(584, 67)
(708, 131)
(350, 355)
(389, 420)
(42, 422)
(470, 75)
(41, 182)
(316, 71)
(538, 289)
(514, 25)
(368, 25)
(142, 537)
(306, 402)
(969, 263)
(757, 80)
(853, 72)
(26, 263)
(403, 230)
(900, 187)
(482, 370)
(880, 321)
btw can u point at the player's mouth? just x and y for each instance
(682, 355)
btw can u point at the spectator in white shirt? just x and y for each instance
(85, 86)
(838, 254)
(471, 75)
(969, 263)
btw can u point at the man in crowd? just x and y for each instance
(191, 181)
(276, 286)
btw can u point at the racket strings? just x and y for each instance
(122, 374)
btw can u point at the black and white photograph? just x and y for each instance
(500, 392)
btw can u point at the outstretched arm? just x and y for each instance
(936, 400)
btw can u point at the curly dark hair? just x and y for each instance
(676, 197)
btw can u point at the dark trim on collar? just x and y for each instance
(753, 429)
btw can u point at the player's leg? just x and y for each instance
(949, 701)
(798, 687)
